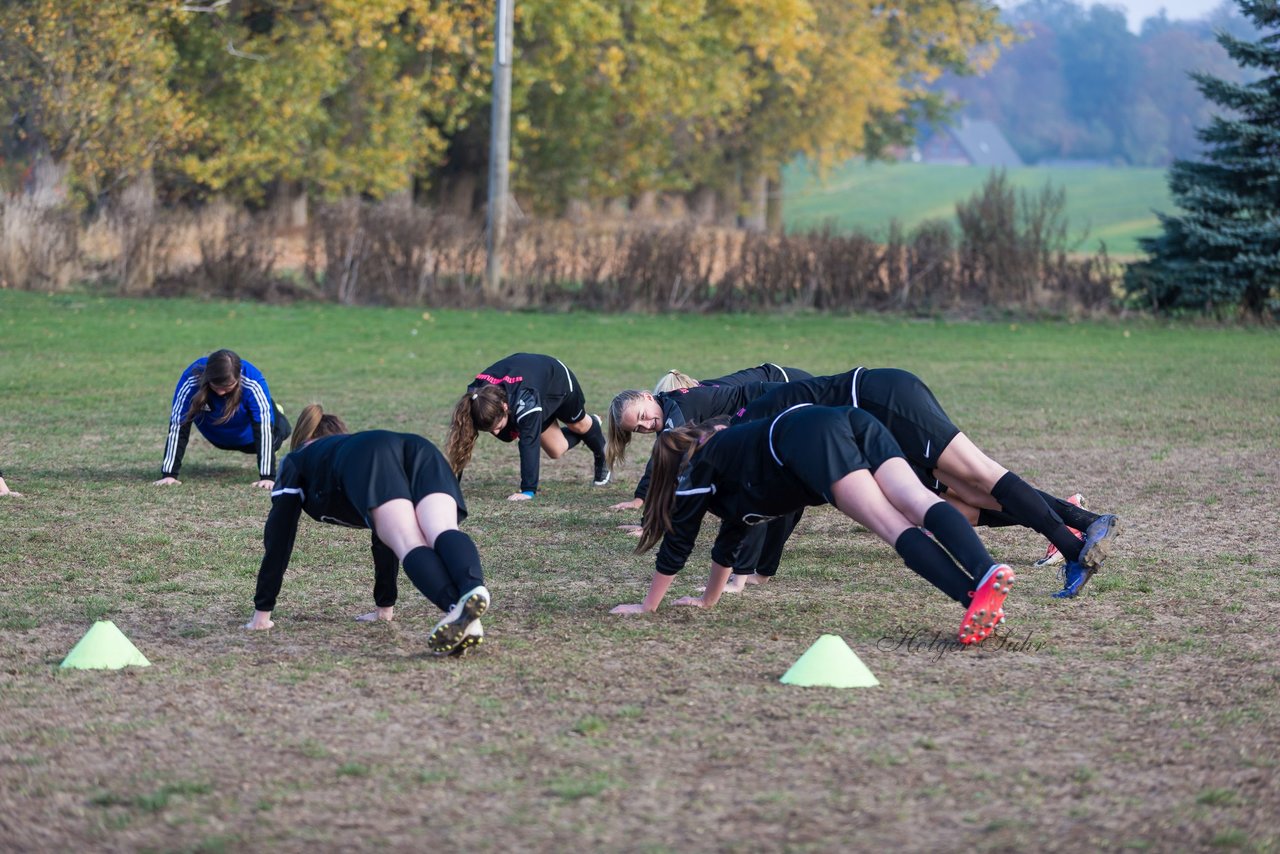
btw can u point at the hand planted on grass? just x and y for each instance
(519, 496)
(264, 484)
(261, 620)
(633, 504)
(165, 481)
(385, 614)
(692, 601)
(633, 530)
(628, 609)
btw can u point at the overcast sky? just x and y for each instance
(1137, 10)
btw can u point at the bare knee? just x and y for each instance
(582, 425)
(963, 462)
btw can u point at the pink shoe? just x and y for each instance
(1052, 556)
(987, 608)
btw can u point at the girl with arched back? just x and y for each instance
(807, 456)
(400, 487)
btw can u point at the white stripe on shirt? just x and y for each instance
(181, 402)
(772, 452)
(853, 386)
(265, 409)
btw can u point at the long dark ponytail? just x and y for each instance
(478, 409)
(671, 453)
(222, 368)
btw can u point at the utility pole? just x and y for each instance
(499, 148)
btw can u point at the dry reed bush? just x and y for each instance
(1014, 252)
(39, 244)
(393, 253)
(144, 238)
(237, 259)
(1010, 253)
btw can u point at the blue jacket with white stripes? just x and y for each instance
(251, 426)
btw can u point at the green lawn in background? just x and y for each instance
(1103, 204)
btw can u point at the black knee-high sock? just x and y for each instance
(956, 535)
(927, 559)
(461, 560)
(427, 572)
(571, 437)
(1076, 517)
(594, 439)
(1023, 503)
(995, 519)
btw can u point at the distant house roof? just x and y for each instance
(976, 142)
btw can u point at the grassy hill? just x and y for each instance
(1115, 206)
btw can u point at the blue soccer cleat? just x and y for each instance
(1097, 541)
(1074, 576)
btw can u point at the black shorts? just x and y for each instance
(819, 445)
(572, 408)
(378, 466)
(904, 404)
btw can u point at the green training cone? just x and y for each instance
(830, 663)
(104, 647)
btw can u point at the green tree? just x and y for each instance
(343, 96)
(1223, 250)
(613, 98)
(87, 83)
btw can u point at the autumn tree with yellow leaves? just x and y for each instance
(373, 97)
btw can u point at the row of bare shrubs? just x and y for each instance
(1008, 252)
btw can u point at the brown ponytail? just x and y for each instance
(478, 409)
(673, 380)
(671, 453)
(222, 367)
(315, 423)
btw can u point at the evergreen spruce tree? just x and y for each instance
(1223, 253)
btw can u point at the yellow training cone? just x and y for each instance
(830, 663)
(104, 647)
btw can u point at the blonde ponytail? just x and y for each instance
(673, 380)
(314, 423)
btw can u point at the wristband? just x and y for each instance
(528, 492)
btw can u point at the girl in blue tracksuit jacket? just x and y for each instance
(228, 401)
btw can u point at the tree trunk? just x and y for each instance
(773, 215)
(702, 206)
(289, 205)
(757, 214)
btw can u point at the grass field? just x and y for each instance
(1144, 714)
(1114, 206)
